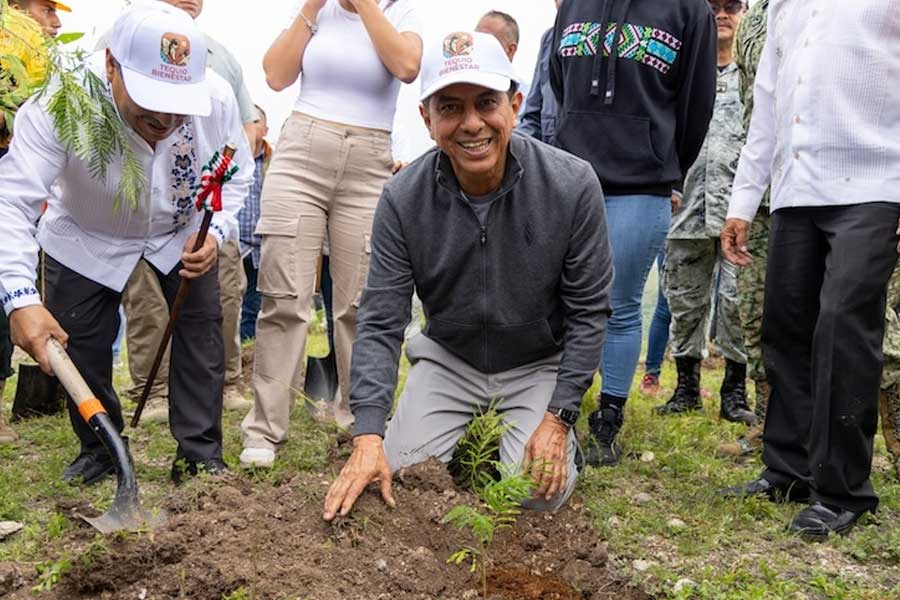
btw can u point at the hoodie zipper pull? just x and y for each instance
(483, 235)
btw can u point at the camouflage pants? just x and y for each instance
(696, 274)
(891, 373)
(751, 285)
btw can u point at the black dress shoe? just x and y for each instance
(182, 468)
(793, 492)
(89, 468)
(818, 521)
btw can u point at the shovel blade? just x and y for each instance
(130, 518)
(321, 381)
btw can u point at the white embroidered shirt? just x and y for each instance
(80, 229)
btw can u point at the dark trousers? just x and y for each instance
(6, 348)
(823, 324)
(89, 312)
(251, 302)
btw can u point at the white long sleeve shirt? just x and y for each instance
(825, 129)
(80, 229)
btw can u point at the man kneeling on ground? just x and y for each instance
(175, 115)
(504, 239)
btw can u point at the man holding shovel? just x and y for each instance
(175, 116)
(504, 239)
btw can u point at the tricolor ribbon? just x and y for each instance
(216, 173)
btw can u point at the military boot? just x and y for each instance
(687, 392)
(890, 423)
(734, 405)
(7, 435)
(603, 449)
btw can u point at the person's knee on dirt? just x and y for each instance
(84, 281)
(517, 292)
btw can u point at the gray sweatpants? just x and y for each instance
(443, 392)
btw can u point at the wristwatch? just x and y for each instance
(569, 417)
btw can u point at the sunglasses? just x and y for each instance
(731, 7)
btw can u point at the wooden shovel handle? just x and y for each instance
(65, 370)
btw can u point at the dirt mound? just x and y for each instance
(228, 537)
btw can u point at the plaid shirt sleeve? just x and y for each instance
(249, 215)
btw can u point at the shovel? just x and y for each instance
(321, 381)
(126, 511)
(37, 394)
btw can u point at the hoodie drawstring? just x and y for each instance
(599, 57)
(614, 56)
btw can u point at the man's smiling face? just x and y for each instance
(473, 125)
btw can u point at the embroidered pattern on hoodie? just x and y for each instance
(184, 177)
(650, 46)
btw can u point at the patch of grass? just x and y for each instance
(731, 550)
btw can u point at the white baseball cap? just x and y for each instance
(466, 57)
(163, 58)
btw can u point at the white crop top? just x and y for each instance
(342, 78)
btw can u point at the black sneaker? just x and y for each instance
(182, 468)
(603, 450)
(89, 468)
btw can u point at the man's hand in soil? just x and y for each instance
(546, 456)
(368, 463)
(31, 327)
(197, 264)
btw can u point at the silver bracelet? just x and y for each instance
(313, 28)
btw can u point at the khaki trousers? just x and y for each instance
(324, 178)
(146, 316)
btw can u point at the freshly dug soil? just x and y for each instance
(272, 542)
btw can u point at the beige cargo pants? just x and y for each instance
(324, 178)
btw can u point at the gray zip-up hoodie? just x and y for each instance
(533, 281)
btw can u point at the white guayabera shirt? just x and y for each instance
(80, 229)
(826, 121)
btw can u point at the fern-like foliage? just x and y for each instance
(84, 115)
(477, 453)
(501, 488)
(89, 126)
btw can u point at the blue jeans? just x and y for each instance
(659, 326)
(252, 301)
(637, 233)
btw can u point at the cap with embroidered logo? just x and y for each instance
(466, 57)
(163, 57)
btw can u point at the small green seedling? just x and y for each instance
(501, 488)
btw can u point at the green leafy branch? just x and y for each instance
(81, 107)
(476, 455)
(501, 489)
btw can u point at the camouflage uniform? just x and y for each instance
(748, 44)
(693, 251)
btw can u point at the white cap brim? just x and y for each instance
(170, 98)
(492, 81)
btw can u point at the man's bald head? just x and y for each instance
(503, 27)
